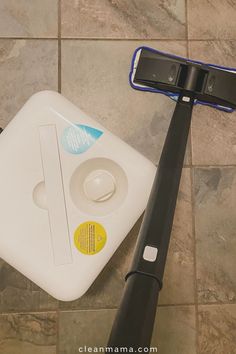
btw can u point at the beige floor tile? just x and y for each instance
(213, 131)
(178, 283)
(213, 137)
(217, 329)
(123, 19)
(26, 66)
(212, 19)
(220, 52)
(174, 331)
(27, 334)
(215, 223)
(23, 18)
(84, 328)
(95, 77)
(18, 294)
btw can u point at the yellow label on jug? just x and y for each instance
(90, 237)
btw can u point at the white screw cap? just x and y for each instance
(99, 185)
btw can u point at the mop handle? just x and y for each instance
(135, 317)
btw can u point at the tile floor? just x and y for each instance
(83, 48)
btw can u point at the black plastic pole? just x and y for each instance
(135, 317)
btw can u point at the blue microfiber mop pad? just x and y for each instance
(173, 96)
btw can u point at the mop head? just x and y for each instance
(151, 53)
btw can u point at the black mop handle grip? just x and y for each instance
(135, 317)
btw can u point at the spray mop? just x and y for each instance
(188, 83)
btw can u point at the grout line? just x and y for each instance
(194, 258)
(116, 308)
(30, 38)
(88, 310)
(189, 165)
(57, 331)
(186, 18)
(59, 46)
(216, 303)
(159, 305)
(212, 166)
(176, 305)
(57, 311)
(151, 39)
(111, 308)
(99, 39)
(37, 312)
(125, 39)
(211, 39)
(199, 304)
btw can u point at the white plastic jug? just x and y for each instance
(70, 193)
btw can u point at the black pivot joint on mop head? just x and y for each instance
(173, 74)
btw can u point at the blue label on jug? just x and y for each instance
(78, 138)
